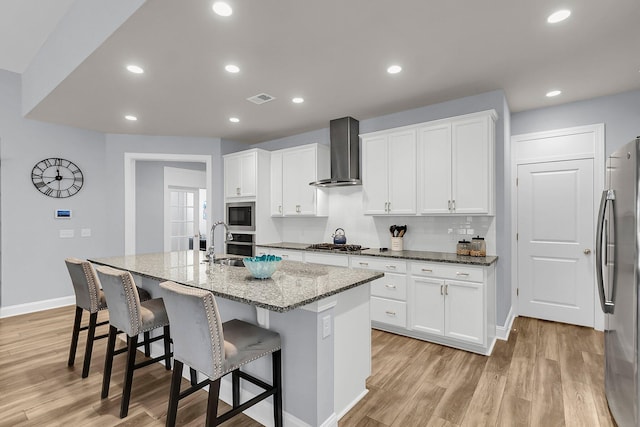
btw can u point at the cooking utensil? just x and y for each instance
(392, 229)
(402, 230)
(339, 238)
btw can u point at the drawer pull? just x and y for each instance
(285, 256)
(427, 270)
(393, 267)
(390, 313)
(461, 274)
(364, 264)
(390, 286)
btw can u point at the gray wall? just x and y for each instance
(620, 113)
(150, 203)
(32, 253)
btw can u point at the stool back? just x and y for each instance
(85, 284)
(123, 299)
(198, 339)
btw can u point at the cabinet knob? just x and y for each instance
(587, 251)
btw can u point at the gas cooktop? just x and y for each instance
(336, 248)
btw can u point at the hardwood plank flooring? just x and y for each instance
(546, 374)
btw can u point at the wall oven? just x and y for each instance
(242, 244)
(241, 216)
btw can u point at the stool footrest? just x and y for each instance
(249, 403)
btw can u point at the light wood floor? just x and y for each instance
(547, 374)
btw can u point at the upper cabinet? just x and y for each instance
(443, 167)
(292, 170)
(240, 172)
(389, 173)
(455, 164)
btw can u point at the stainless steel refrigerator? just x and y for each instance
(617, 268)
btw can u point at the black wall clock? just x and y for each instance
(57, 177)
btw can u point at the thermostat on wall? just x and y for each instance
(63, 213)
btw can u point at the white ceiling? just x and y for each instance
(334, 53)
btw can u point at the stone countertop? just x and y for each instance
(293, 285)
(407, 255)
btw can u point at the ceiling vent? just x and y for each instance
(261, 98)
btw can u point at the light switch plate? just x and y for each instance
(85, 232)
(326, 326)
(67, 234)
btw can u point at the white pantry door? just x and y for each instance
(555, 241)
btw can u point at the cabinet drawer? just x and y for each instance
(379, 264)
(388, 311)
(390, 286)
(447, 271)
(327, 259)
(286, 255)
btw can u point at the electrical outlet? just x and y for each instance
(326, 326)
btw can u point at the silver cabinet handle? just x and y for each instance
(453, 205)
(449, 204)
(427, 270)
(297, 208)
(238, 191)
(602, 240)
(279, 208)
(441, 289)
(364, 264)
(461, 274)
(587, 251)
(390, 313)
(389, 286)
(446, 289)
(285, 256)
(392, 267)
(389, 210)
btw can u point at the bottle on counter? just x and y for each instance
(478, 247)
(463, 247)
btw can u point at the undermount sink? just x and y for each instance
(233, 262)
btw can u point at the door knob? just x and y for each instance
(587, 251)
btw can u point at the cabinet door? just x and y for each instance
(249, 167)
(232, 176)
(434, 169)
(402, 172)
(464, 311)
(471, 165)
(276, 184)
(298, 170)
(427, 305)
(375, 175)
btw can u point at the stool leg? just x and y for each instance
(212, 403)
(277, 382)
(147, 344)
(167, 348)
(174, 393)
(132, 345)
(74, 336)
(192, 372)
(235, 387)
(108, 361)
(91, 333)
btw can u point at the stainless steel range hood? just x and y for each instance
(345, 154)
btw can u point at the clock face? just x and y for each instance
(57, 177)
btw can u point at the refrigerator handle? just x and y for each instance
(607, 196)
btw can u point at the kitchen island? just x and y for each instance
(321, 313)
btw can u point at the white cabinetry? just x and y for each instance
(240, 172)
(389, 172)
(456, 165)
(292, 170)
(453, 302)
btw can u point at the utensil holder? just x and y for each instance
(396, 244)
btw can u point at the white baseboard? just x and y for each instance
(352, 404)
(502, 332)
(31, 307)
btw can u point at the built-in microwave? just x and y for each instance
(241, 216)
(242, 244)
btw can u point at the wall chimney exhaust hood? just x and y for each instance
(345, 154)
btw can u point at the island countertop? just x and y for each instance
(294, 284)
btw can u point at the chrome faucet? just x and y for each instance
(212, 251)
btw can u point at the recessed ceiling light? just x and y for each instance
(234, 119)
(135, 69)
(297, 100)
(222, 8)
(394, 69)
(232, 68)
(553, 93)
(558, 16)
(131, 118)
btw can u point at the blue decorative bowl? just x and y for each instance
(262, 267)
